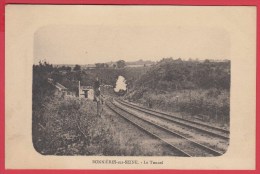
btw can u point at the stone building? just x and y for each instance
(86, 92)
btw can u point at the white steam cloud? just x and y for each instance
(120, 84)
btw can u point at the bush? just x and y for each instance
(212, 103)
(170, 75)
(71, 127)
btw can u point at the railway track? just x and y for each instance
(210, 130)
(181, 145)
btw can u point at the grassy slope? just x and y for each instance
(59, 131)
(111, 135)
(190, 87)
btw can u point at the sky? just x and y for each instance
(97, 43)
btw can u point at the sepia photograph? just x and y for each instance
(130, 87)
(118, 91)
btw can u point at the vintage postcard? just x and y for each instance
(130, 87)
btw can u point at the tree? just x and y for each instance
(65, 68)
(41, 86)
(77, 68)
(57, 77)
(120, 64)
(101, 65)
(98, 65)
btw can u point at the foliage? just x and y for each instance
(107, 76)
(70, 127)
(41, 87)
(140, 62)
(171, 75)
(67, 125)
(120, 64)
(65, 68)
(212, 103)
(77, 68)
(101, 65)
(194, 87)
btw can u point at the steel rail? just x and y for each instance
(149, 132)
(171, 118)
(210, 150)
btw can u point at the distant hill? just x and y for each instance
(130, 64)
(137, 63)
(141, 62)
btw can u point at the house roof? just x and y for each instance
(86, 87)
(60, 86)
